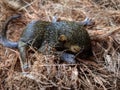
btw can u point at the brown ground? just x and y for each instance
(46, 71)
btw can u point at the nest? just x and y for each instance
(101, 72)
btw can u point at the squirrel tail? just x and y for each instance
(3, 36)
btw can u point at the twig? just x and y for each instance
(102, 34)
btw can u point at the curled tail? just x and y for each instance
(3, 36)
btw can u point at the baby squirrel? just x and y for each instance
(68, 36)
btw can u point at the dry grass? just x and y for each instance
(46, 71)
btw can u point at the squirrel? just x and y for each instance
(68, 36)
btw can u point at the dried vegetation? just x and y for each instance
(100, 73)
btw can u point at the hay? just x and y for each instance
(100, 73)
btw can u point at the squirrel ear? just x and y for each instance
(62, 38)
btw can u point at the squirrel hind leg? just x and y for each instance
(25, 64)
